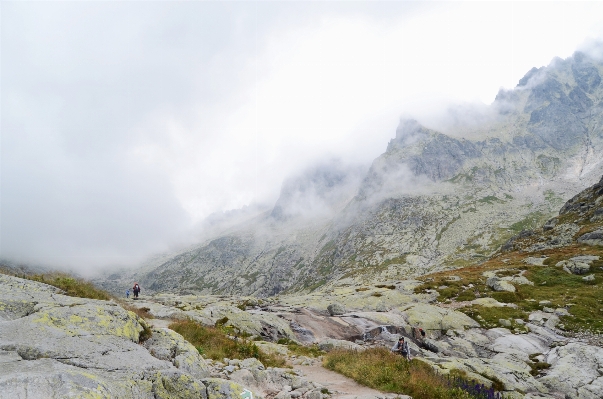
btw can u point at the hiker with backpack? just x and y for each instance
(127, 293)
(136, 290)
(401, 348)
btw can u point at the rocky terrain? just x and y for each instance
(435, 199)
(528, 321)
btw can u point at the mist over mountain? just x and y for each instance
(431, 201)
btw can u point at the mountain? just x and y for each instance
(439, 197)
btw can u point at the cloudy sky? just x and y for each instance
(124, 124)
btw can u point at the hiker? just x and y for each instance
(136, 290)
(401, 347)
(127, 293)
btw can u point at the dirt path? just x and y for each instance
(342, 387)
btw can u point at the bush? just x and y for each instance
(214, 343)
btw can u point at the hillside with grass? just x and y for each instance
(556, 268)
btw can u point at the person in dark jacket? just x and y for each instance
(136, 290)
(401, 347)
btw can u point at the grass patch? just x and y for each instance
(214, 343)
(536, 365)
(71, 286)
(380, 369)
(489, 317)
(531, 221)
(583, 299)
(145, 334)
(141, 312)
(389, 287)
(301, 350)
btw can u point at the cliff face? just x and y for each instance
(430, 201)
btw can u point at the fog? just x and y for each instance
(126, 125)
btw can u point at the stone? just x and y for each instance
(330, 344)
(251, 364)
(218, 388)
(497, 284)
(429, 317)
(283, 395)
(521, 280)
(524, 343)
(574, 266)
(535, 261)
(593, 238)
(552, 322)
(489, 303)
(336, 309)
(575, 370)
(174, 384)
(590, 277)
(504, 322)
(168, 345)
(550, 224)
(314, 395)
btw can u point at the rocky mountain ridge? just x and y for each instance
(432, 201)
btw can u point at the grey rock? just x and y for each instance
(535, 261)
(336, 309)
(497, 284)
(593, 238)
(328, 345)
(574, 266)
(251, 364)
(504, 322)
(170, 346)
(314, 395)
(575, 370)
(552, 322)
(224, 389)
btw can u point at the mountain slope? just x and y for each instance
(431, 201)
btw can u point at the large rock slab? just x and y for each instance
(593, 238)
(431, 317)
(55, 346)
(168, 345)
(577, 370)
